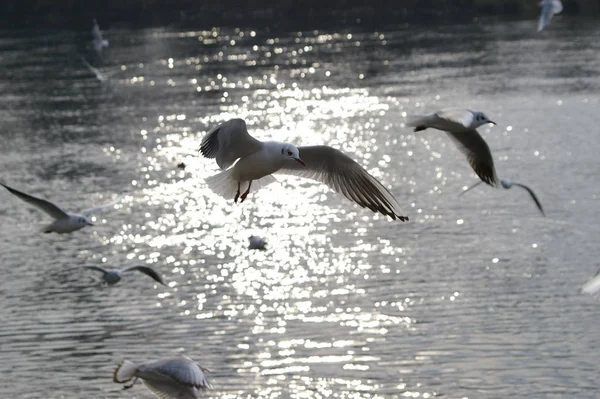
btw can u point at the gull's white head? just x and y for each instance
(291, 151)
(83, 221)
(481, 119)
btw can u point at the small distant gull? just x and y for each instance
(547, 10)
(592, 286)
(99, 75)
(256, 242)
(257, 160)
(65, 222)
(113, 276)
(98, 42)
(507, 184)
(460, 125)
(176, 377)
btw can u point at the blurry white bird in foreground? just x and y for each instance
(547, 9)
(460, 125)
(64, 222)
(111, 277)
(507, 184)
(256, 242)
(257, 161)
(176, 377)
(98, 43)
(592, 287)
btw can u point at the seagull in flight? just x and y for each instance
(98, 42)
(112, 277)
(592, 286)
(507, 184)
(256, 242)
(176, 377)
(257, 160)
(547, 9)
(64, 222)
(461, 124)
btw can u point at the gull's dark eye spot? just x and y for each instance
(289, 153)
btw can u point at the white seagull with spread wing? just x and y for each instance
(257, 160)
(460, 125)
(172, 378)
(111, 277)
(64, 222)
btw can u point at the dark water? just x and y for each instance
(477, 296)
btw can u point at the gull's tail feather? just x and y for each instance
(224, 185)
(124, 371)
(419, 122)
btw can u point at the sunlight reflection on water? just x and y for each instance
(343, 303)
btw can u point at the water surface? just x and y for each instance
(477, 296)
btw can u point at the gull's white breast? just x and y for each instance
(257, 165)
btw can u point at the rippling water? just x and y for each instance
(477, 296)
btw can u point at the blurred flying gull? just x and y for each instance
(171, 378)
(113, 276)
(547, 10)
(507, 184)
(98, 42)
(256, 242)
(257, 160)
(592, 286)
(64, 222)
(460, 125)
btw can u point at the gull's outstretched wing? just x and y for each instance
(97, 268)
(342, 174)
(533, 196)
(99, 75)
(96, 32)
(179, 369)
(478, 154)
(547, 9)
(470, 188)
(148, 271)
(44, 205)
(592, 286)
(88, 212)
(229, 142)
(447, 119)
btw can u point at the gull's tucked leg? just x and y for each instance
(247, 191)
(237, 194)
(130, 385)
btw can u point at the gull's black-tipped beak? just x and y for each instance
(89, 224)
(300, 161)
(492, 122)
